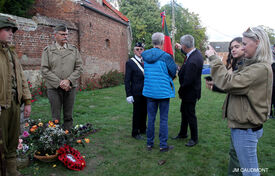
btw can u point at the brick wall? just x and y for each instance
(103, 42)
(34, 35)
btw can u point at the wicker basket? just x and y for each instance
(47, 159)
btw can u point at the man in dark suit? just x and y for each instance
(134, 79)
(190, 88)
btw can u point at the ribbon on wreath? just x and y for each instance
(71, 158)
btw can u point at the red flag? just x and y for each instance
(167, 47)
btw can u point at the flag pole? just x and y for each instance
(173, 29)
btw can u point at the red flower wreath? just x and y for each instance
(71, 158)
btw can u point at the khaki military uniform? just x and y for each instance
(61, 63)
(13, 91)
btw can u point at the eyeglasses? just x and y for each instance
(250, 29)
(139, 49)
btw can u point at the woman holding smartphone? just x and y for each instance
(248, 100)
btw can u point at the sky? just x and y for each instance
(226, 19)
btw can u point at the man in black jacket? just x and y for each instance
(134, 79)
(190, 88)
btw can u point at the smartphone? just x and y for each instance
(208, 78)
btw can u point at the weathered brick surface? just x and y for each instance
(102, 41)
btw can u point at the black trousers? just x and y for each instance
(188, 117)
(139, 115)
(59, 99)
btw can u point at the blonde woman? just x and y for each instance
(248, 100)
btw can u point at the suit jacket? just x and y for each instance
(190, 78)
(134, 79)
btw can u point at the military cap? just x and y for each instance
(61, 27)
(139, 44)
(6, 22)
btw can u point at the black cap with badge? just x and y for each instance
(139, 44)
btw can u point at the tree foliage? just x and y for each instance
(15, 7)
(271, 34)
(186, 23)
(144, 16)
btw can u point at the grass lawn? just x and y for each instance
(112, 150)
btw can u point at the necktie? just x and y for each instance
(185, 59)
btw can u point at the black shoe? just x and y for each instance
(142, 132)
(191, 143)
(138, 137)
(149, 147)
(179, 137)
(166, 149)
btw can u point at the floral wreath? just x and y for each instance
(71, 158)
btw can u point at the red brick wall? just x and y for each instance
(94, 31)
(103, 43)
(30, 44)
(60, 9)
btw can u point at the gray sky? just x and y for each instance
(226, 19)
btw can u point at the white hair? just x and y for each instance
(157, 38)
(188, 41)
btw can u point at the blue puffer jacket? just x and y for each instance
(159, 71)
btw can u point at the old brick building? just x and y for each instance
(99, 31)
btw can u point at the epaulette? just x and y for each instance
(72, 46)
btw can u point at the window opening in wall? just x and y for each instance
(107, 43)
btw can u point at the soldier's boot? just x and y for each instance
(12, 167)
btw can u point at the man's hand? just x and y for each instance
(178, 46)
(27, 111)
(65, 84)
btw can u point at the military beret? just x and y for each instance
(6, 22)
(61, 27)
(139, 44)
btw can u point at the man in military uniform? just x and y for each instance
(13, 92)
(61, 67)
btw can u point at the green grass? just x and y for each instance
(113, 152)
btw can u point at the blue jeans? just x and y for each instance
(152, 109)
(245, 144)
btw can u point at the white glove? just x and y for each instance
(130, 99)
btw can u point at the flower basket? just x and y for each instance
(46, 158)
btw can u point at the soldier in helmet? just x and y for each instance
(13, 92)
(61, 67)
